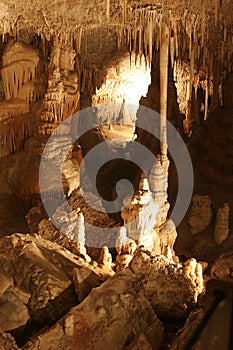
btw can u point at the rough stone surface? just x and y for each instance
(201, 213)
(36, 281)
(168, 286)
(183, 336)
(223, 267)
(110, 317)
(7, 342)
(221, 231)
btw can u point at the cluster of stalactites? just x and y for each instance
(19, 69)
(203, 40)
(190, 32)
(62, 95)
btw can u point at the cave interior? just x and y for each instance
(116, 174)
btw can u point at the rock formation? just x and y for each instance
(221, 231)
(118, 305)
(222, 267)
(201, 213)
(140, 215)
(77, 285)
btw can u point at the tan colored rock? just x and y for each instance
(140, 215)
(139, 342)
(223, 267)
(14, 313)
(186, 332)
(115, 309)
(201, 213)
(6, 282)
(167, 235)
(170, 291)
(124, 244)
(7, 342)
(42, 273)
(85, 280)
(222, 231)
(123, 261)
(106, 258)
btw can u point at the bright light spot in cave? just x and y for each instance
(125, 84)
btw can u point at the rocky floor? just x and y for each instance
(52, 298)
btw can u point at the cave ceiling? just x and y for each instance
(202, 28)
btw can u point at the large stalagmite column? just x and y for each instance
(163, 86)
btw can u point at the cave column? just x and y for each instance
(163, 63)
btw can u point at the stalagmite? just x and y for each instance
(79, 235)
(192, 263)
(221, 231)
(105, 258)
(124, 245)
(164, 45)
(168, 253)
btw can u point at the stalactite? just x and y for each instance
(210, 64)
(225, 32)
(202, 22)
(172, 49)
(125, 11)
(107, 9)
(176, 40)
(150, 40)
(216, 12)
(222, 53)
(216, 80)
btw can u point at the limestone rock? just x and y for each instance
(124, 244)
(186, 332)
(223, 267)
(201, 213)
(165, 284)
(139, 342)
(221, 231)
(123, 261)
(115, 309)
(14, 312)
(6, 282)
(106, 259)
(35, 275)
(7, 342)
(85, 280)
